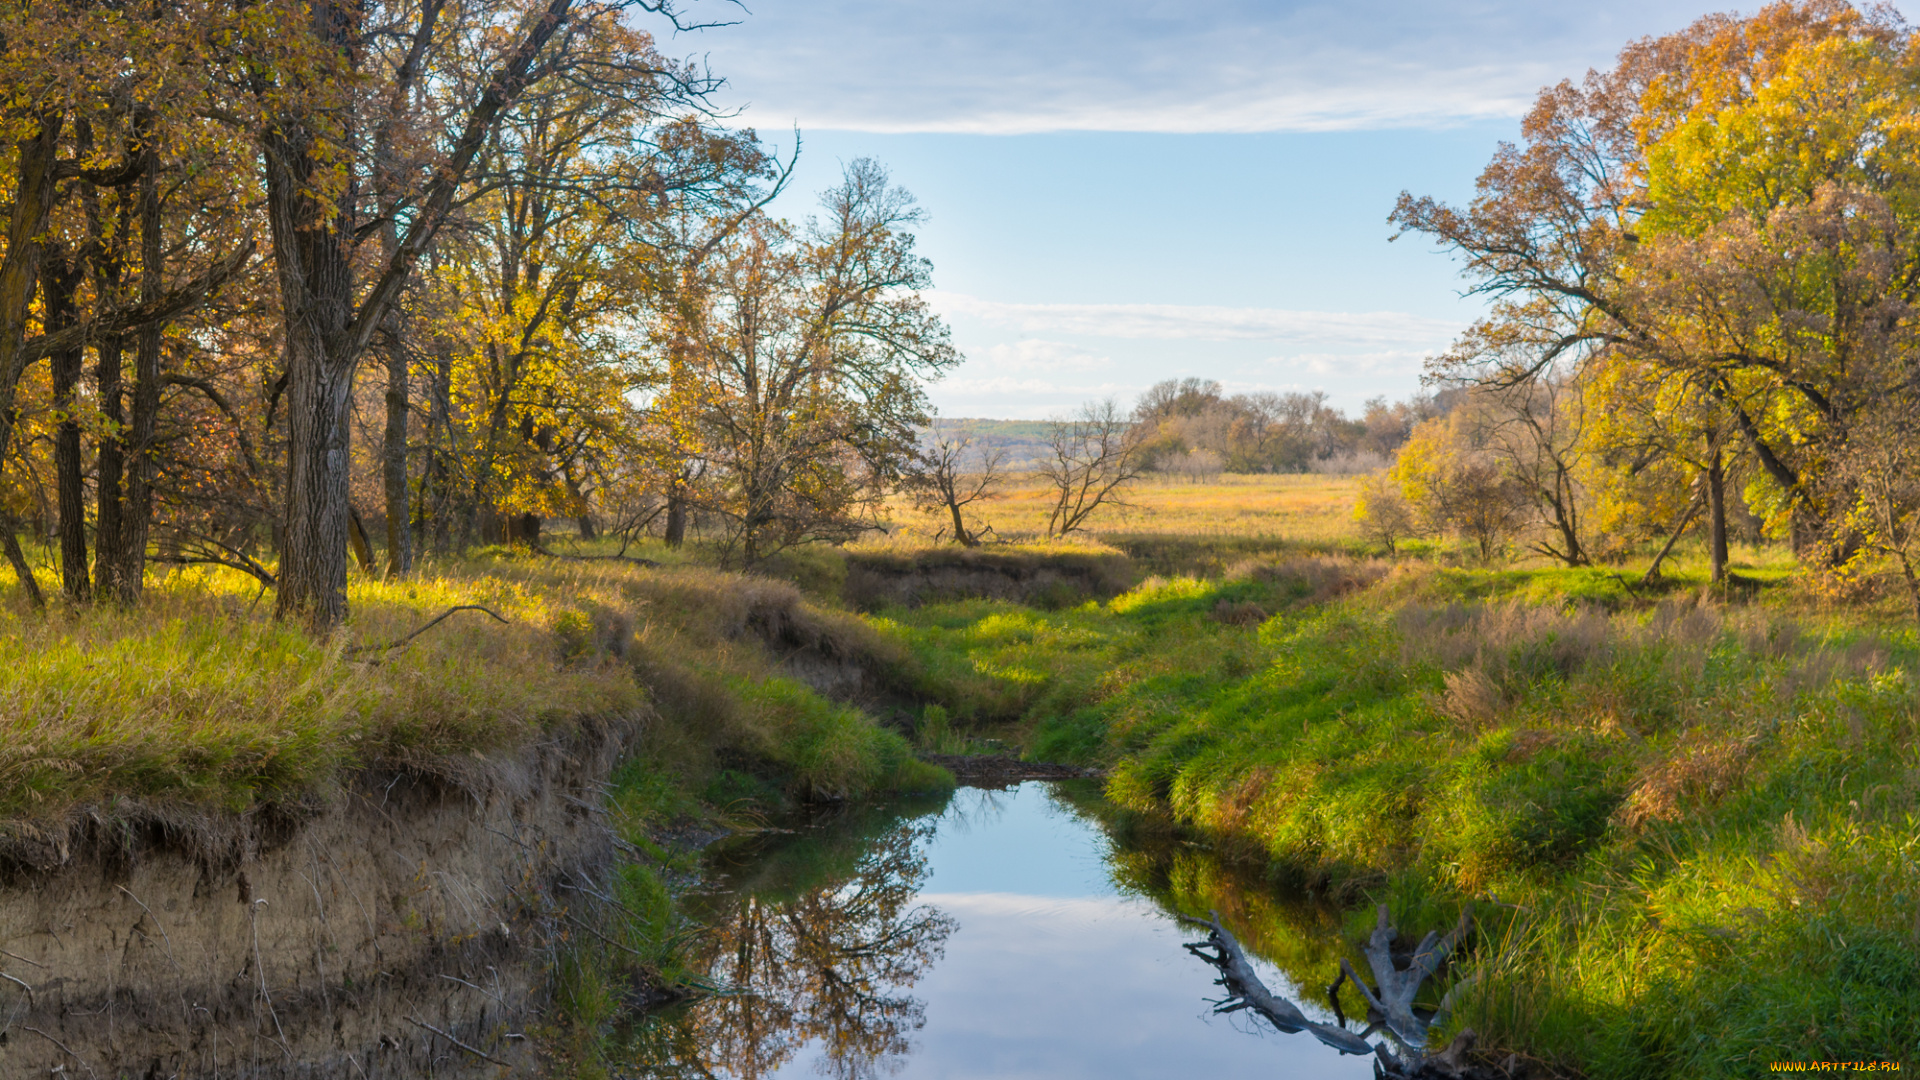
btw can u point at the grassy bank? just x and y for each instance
(198, 702)
(1691, 830)
(198, 708)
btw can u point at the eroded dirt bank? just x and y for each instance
(405, 917)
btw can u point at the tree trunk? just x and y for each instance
(1717, 517)
(436, 481)
(313, 568)
(60, 282)
(1913, 584)
(109, 554)
(18, 558)
(525, 529)
(960, 532)
(357, 532)
(138, 518)
(33, 196)
(393, 463)
(676, 532)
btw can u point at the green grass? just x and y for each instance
(198, 702)
(1692, 833)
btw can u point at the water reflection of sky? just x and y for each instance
(1052, 973)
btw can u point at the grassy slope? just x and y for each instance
(198, 702)
(1691, 833)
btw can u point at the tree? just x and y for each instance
(798, 362)
(1735, 203)
(1455, 486)
(1092, 456)
(1533, 430)
(1880, 478)
(1383, 514)
(328, 60)
(954, 473)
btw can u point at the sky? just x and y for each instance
(1123, 191)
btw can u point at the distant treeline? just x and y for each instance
(1193, 427)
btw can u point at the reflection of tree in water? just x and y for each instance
(830, 962)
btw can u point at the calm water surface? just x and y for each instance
(989, 937)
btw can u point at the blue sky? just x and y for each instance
(1131, 190)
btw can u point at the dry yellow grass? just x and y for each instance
(1307, 507)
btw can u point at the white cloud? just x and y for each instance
(1014, 388)
(1019, 66)
(1391, 362)
(1030, 354)
(1363, 330)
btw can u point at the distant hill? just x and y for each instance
(1025, 441)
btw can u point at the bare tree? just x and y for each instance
(1880, 477)
(956, 472)
(1534, 427)
(1093, 454)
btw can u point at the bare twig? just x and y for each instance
(156, 923)
(481, 1054)
(63, 1046)
(24, 960)
(21, 985)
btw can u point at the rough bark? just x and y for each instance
(60, 284)
(33, 195)
(326, 331)
(109, 557)
(1717, 516)
(138, 510)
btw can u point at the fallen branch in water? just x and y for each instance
(1397, 988)
(1390, 1008)
(1238, 977)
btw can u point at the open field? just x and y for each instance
(1305, 507)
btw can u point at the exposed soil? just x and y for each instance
(372, 940)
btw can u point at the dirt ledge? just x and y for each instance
(368, 935)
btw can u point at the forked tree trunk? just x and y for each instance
(960, 532)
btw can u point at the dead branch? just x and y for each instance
(437, 620)
(1397, 988)
(1238, 977)
(617, 557)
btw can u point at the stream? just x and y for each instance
(1000, 933)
